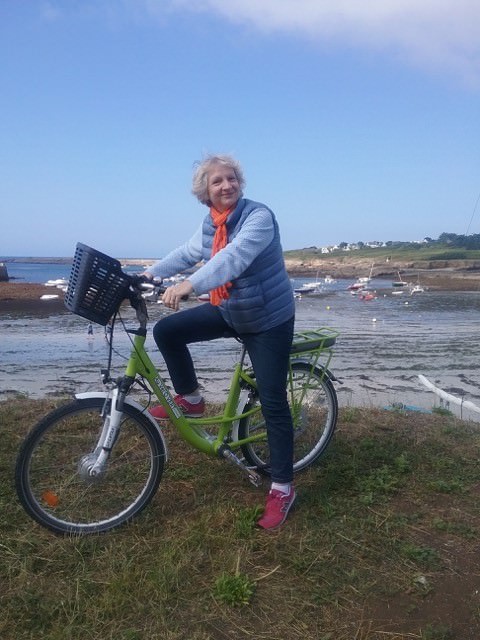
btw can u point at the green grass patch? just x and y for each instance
(401, 252)
(382, 544)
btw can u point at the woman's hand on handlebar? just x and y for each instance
(172, 296)
(146, 281)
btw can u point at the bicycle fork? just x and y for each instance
(93, 465)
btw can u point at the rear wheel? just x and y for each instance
(52, 473)
(314, 407)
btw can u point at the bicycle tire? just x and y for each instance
(314, 419)
(51, 478)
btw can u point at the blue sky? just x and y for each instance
(353, 121)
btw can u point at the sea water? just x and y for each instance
(383, 346)
(36, 272)
(41, 272)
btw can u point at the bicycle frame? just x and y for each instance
(191, 429)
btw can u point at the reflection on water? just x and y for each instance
(384, 345)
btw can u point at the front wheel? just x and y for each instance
(314, 408)
(52, 472)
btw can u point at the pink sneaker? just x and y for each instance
(189, 409)
(276, 508)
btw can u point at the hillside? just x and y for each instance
(438, 267)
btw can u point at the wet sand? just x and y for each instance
(384, 344)
(25, 297)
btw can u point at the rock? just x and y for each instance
(3, 272)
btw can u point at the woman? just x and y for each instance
(250, 297)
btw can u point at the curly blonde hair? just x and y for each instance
(202, 169)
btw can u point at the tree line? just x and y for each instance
(460, 241)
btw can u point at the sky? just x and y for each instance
(353, 121)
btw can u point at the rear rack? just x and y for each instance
(313, 340)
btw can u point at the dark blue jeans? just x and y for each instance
(269, 353)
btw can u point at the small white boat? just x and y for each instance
(59, 282)
(310, 289)
(329, 280)
(357, 286)
(306, 287)
(47, 296)
(416, 289)
(362, 280)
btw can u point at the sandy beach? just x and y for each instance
(16, 297)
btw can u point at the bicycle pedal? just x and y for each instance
(253, 477)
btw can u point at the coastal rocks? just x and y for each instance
(466, 271)
(3, 272)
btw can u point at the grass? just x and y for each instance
(406, 253)
(382, 546)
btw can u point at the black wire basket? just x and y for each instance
(97, 285)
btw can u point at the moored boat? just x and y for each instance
(367, 295)
(309, 288)
(416, 289)
(357, 286)
(361, 282)
(399, 284)
(47, 296)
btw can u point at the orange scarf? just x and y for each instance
(219, 242)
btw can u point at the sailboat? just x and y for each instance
(366, 279)
(310, 287)
(399, 284)
(417, 288)
(361, 282)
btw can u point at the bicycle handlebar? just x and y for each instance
(139, 281)
(139, 284)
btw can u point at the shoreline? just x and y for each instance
(25, 297)
(16, 297)
(384, 345)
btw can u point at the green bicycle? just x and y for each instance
(97, 462)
